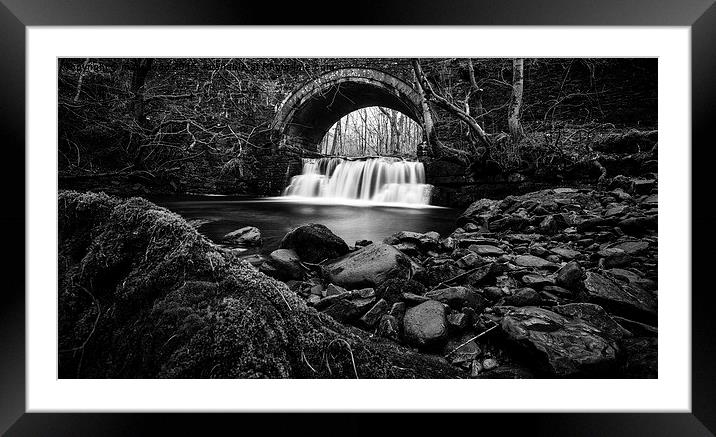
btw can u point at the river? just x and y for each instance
(276, 216)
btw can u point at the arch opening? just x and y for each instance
(373, 131)
(310, 111)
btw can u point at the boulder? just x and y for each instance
(368, 267)
(570, 275)
(595, 316)
(314, 243)
(283, 264)
(426, 324)
(246, 236)
(559, 346)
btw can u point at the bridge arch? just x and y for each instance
(313, 107)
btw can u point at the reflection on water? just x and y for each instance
(275, 217)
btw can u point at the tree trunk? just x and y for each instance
(140, 70)
(513, 121)
(83, 71)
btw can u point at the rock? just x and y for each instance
(486, 250)
(457, 297)
(553, 224)
(317, 290)
(373, 315)
(553, 259)
(570, 275)
(364, 293)
(489, 363)
(314, 243)
(631, 247)
(398, 310)
(333, 290)
(457, 321)
(536, 281)
(558, 291)
(328, 301)
(493, 293)
(638, 225)
(461, 349)
(534, 261)
(198, 222)
(613, 257)
(615, 211)
(363, 303)
(392, 290)
(470, 261)
(595, 316)
(414, 299)
(363, 243)
(523, 297)
(625, 300)
(426, 324)
(565, 253)
(284, 264)
(342, 310)
(368, 267)
(388, 327)
(402, 237)
(558, 345)
(246, 236)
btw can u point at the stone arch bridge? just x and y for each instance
(310, 110)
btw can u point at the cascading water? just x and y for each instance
(379, 180)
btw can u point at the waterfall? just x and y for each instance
(380, 180)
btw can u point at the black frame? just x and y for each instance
(15, 15)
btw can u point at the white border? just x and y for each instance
(670, 392)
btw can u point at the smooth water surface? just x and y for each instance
(275, 217)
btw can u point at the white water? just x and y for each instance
(374, 180)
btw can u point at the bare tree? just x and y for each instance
(513, 121)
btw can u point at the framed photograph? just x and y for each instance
(431, 215)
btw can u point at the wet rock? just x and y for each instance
(534, 261)
(434, 274)
(489, 364)
(625, 300)
(314, 243)
(283, 264)
(246, 236)
(457, 297)
(536, 281)
(426, 324)
(558, 291)
(558, 345)
(412, 299)
(570, 275)
(373, 315)
(363, 303)
(363, 243)
(638, 225)
(470, 261)
(368, 267)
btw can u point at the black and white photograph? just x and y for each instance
(357, 218)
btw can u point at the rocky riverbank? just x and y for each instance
(553, 283)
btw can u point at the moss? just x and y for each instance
(142, 294)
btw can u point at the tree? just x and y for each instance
(513, 121)
(478, 137)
